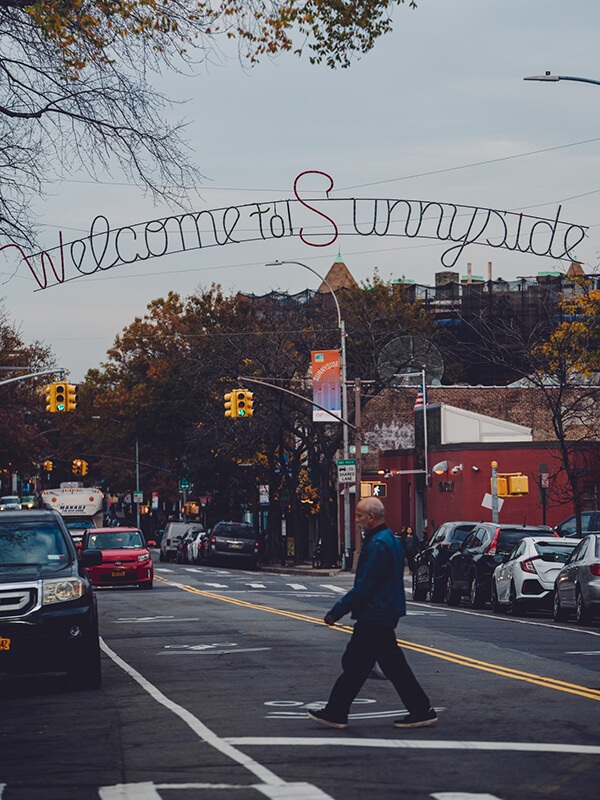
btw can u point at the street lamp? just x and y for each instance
(346, 449)
(549, 77)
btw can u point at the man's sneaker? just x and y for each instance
(325, 718)
(417, 720)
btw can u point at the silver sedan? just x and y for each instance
(577, 586)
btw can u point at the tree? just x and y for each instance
(75, 90)
(22, 403)
(561, 360)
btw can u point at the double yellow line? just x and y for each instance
(455, 658)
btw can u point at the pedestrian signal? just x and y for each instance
(379, 490)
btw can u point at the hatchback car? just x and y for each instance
(232, 541)
(526, 579)
(48, 616)
(28, 501)
(577, 585)
(430, 571)
(126, 560)
(470, 569)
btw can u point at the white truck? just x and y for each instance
(80, 507)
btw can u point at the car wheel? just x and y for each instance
(452, 596)
(161, 556)
(582, 614)
(147, 585)
(437, 589)
(515, 607)
(85, 671)
(496, 606)
(559, 614)
(475, 595)
(417, 592)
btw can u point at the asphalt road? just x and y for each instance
(208, 677)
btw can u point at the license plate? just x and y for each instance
(4, 643)
(118, 574)
(235, 546)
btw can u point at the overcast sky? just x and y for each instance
(438, 111)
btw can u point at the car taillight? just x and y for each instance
(595, 570)
(213, 540)
(446, 546)
(491, 551)
(527, 566)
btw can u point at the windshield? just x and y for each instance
(555, 551)
(78, 524)
(238, 531)
(115, 541)
(39, 544)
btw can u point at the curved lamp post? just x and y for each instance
(342, 328)
(549, 77)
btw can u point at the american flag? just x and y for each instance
(420, 401)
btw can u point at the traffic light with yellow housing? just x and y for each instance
(71, 403)
(229, 403)
(77, 466)
(48, 466)
(249, 403)
(50, 397)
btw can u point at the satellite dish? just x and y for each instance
(409, 354)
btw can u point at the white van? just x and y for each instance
(171, 538)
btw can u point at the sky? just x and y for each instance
(437, 112)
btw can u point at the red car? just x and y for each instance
(126, 560)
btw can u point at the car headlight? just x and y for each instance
(61, 591)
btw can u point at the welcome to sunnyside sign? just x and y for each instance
(318, 220)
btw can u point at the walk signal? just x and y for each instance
(379, 490)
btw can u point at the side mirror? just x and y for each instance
(151, 543)
(91, 558)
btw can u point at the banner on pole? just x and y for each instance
(327, 385)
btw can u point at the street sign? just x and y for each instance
(184, 484)
(346, 470)
(138, 497)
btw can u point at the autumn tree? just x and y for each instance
(76, 88)
(561, 361)
(24, 426)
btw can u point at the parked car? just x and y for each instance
(126, 559)
(181, 555)
(430, 571)
(232, 541)
(10, 503)
(590, 521)
(48, 616)
(170, 539)
(526, 579)
(577, 585)
(470, 569)
(195, 545)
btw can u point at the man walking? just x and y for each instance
(376, 602)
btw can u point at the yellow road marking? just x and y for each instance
(455, 658)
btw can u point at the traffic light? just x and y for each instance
(50, 397)
(77, 466)
(60, 397)
(244, 403)
(48, 466)
(71, 404)
(84, 467)
(229, 400)
(379, 490)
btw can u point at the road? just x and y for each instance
(208, 677)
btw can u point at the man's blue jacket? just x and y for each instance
(378, 593)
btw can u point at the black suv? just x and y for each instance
(48, 617)
(430, 571)
(590, 523)
(232, 541)
(470, 568)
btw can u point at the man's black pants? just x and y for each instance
(371, 644)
